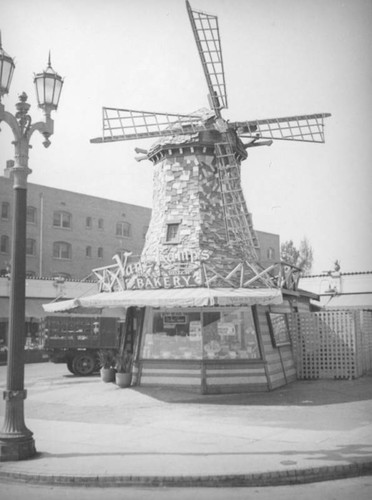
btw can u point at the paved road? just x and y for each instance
(345, 489)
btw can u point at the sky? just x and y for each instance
(281, 58)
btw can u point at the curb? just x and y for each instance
(275, 478)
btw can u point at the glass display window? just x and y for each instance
(230, 334)
(174, 335)
(201, 334)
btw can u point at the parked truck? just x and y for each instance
(77, 339)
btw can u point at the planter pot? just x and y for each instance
(107, 374)
(123, 379)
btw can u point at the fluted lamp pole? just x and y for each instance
(16, 440)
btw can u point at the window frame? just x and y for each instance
(29, 240)
(5, 206)
(4, 244)
(34, 212)
(69, 247)
(122, 233)
(168, 240)
(61, 214)
(270, 253)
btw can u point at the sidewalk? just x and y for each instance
(88, 432)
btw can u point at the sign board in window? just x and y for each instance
(279, 329)
(178, 319)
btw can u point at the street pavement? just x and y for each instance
(91, 433)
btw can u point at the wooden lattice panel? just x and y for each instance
(325, 345)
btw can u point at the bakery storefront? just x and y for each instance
(210, 340)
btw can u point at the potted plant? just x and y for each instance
(123, 366)
(106, 359)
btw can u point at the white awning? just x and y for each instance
(174, 297)
(62, 305)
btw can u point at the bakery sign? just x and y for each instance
(180, 269)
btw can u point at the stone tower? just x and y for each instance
(187, 233)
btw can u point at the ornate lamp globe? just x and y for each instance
(48, 88)
(6, 71)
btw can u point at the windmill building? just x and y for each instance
(202, 310)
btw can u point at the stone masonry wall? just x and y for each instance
(187, 191)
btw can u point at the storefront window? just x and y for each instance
(230, 335)
(213, 334)
(174, 335)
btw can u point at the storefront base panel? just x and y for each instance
(279, 383)
(233, 375)
(155, 380)
(233, 389)
(205, 376)
(278, 378)
(170, 373)
(236, 380)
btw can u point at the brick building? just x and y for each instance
(69, 234)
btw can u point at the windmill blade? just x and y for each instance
(129, 124)
(207, 37)
(304, 128)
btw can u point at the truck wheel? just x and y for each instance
(83, 364)
(69, 366)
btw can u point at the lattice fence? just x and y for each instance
(332, 344)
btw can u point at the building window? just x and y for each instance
(5, 209)
(30, 246)
(4, 244)
(100, 223)
(88, 222)
(123, 229)
(100, 253)
(88, 252)
(62, 219)
(270, 253)
(62, 250)
(31, 215)
(172, 233)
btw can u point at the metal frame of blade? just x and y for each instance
(129, 124)
(207, 38)
(303, 128)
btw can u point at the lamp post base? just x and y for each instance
(16, 441)
(17, 449)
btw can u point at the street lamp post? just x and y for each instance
(16, 440)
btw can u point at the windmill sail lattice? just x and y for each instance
(198, 197)
(130, 124)
(207, 37)
(305, 128)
